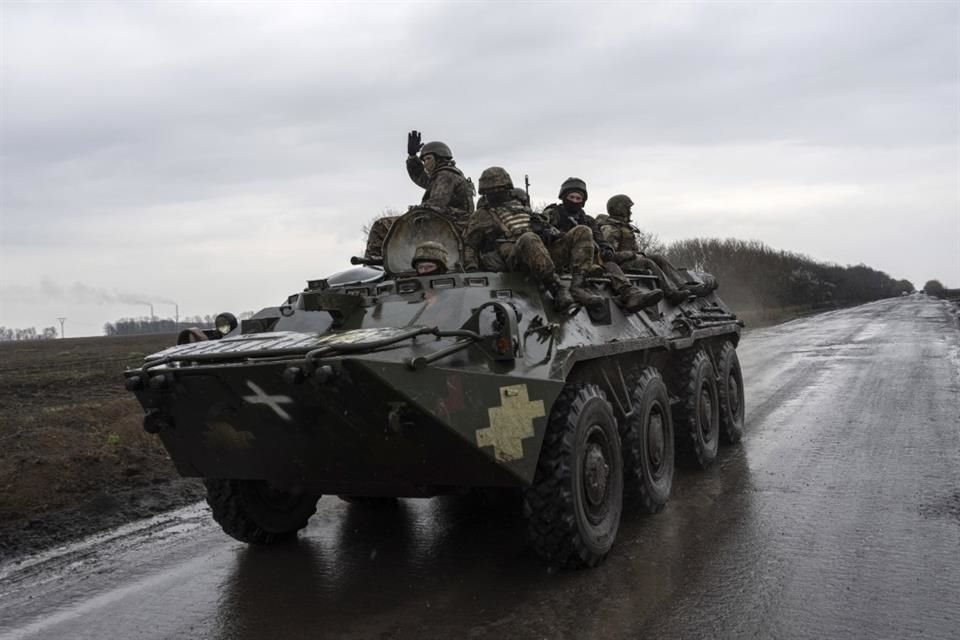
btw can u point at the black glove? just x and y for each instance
(607, 254)
(413, 143)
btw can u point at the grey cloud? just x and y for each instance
(121, 123)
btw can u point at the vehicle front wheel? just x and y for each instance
(648, 456)
(253, 511)
(573, 507)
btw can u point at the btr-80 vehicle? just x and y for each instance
(377, 382)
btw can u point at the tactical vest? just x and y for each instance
(514, 218)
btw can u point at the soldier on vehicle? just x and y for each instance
(518, 194)
(376, 236)
(501, 235)
(568, 214)
(621, 236)
(430, 258)
(447, 190)
(435, 170)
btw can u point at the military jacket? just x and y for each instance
(447, 187)
(565, 221)
(489, 224)
(618, 233)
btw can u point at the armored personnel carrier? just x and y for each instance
(377, 382)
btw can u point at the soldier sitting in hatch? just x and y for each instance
(621, 236)
(501, 236)
(430, 258)
(568, 214)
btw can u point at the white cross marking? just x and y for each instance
(271, 401)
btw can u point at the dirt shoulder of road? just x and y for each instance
(74, 458)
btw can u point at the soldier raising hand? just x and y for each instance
(435, 171)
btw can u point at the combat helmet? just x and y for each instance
(619, 206)
(493, 179)
(439, 149)
(573, 184)
(430, 251)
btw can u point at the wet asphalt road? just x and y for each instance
(838, 517)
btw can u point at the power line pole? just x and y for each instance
(62, 334)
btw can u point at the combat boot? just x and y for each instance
(700, 290)
(676, 296)
(632, 299)
(580, 293)
(562, 300)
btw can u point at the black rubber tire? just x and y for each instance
(251, 511)
(730, 391)
(570, 524)
(648, 446)
(696, 417)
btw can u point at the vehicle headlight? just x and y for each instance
(225, 323)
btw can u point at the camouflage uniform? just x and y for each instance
(574, 249)
(446, 186)
(378, 233)
(568, 216)
(506, 232)
(620, 235)
(500, 236)
(564, 219)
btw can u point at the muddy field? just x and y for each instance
(73, 455)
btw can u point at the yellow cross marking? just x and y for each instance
(510, 423)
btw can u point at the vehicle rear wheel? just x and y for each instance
(573, 506)
(648, 456)
(730, 391)
(253, 511)
(696, 417)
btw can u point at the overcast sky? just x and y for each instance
(219, 155)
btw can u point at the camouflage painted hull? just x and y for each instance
(370, 428)
(374, 425)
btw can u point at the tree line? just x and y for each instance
(752, 276)
(755, 276)
(30, 333)
(133, 326)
